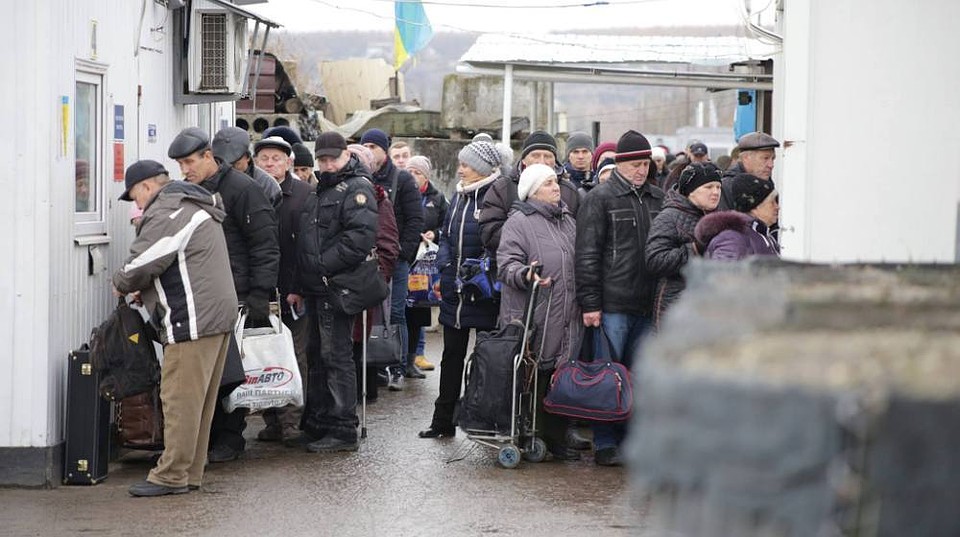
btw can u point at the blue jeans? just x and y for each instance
(625, 332)
(421, 342)
(398, 305)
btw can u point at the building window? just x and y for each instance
(88, 146)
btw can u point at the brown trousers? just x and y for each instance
(288, 417)
(189, 380)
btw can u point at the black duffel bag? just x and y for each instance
(121, 348)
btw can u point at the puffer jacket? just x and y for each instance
(460, 240)
(669, 246)
(546, 234)
(612, 229)
(338, 227)
(177, 262)
(500, 198)
(250, 229)
(732, 235)
(406, 206)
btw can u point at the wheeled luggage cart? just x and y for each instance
(521, 442)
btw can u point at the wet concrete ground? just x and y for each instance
(396, 484)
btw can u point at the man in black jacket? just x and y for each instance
(273, 155)
(251, 232)
(538, 148)
(338, 230)
(405, 196)
(232, 145)
(613, 287)
(757, 152)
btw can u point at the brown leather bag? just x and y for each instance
(140, 421)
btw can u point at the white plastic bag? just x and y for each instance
(270, 364)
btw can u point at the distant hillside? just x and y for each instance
(617, 108)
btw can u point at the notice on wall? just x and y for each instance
(152, 133)
(118, 122)
(118, 161)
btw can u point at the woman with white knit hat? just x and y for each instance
(460, 310)
(541, 231)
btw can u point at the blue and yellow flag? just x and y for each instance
(412, 33)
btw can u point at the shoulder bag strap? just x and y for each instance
(394, 176)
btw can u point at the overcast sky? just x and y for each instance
(536, 16)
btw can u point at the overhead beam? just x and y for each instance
(593, 75)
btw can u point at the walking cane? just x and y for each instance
(363, 366)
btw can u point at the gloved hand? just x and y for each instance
(258, 307)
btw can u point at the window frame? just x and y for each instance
(93, 222)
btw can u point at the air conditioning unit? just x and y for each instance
(216, 50)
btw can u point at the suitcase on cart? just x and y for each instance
(87, 449)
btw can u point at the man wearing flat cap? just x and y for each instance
(232, 145)
(176, 264)
(251, 232)
(757, 153)
(273, 155)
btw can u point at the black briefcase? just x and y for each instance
(87, 449)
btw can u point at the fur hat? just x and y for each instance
(483, 157)
(749, 191)
(288, 134)
(539, 140)
(422, 164)
(632, 146)
(531, 178)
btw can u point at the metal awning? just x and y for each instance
(612, 59)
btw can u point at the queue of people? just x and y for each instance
(283, 220)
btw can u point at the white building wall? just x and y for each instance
(49, 302)
(871, 117)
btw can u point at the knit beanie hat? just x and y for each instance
(632, 146)
(749, 191)
(302, 156)
(579, 140)
(482, 137)
(601, 149)
(696, 175)
(483, 157)
(376, 136)
(539, 140)
(531, 178)
(422, 164)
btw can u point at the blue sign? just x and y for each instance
(152, 133)
(118, 122)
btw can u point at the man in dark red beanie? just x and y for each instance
(613, 288)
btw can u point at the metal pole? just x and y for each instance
(507, 103)
(256, 76)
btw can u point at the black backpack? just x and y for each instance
(487, 399)
(121, 348)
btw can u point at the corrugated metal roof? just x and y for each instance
(606, 49)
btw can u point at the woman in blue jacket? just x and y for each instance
(462, 308)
